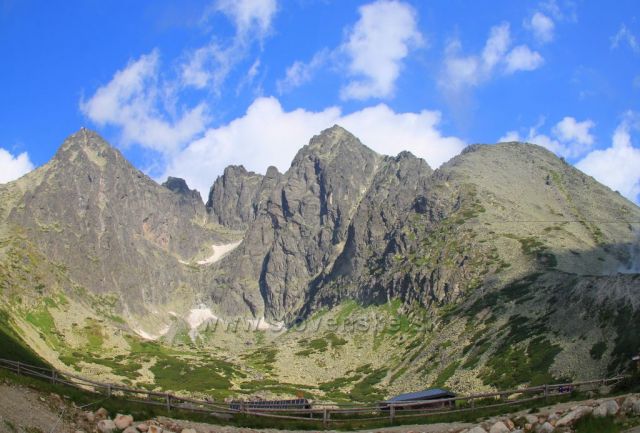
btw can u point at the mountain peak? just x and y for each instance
(88, 143)
(334, 142)
(332, 136)
(180, 187)
(85, 138)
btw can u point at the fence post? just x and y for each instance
(392, 413)
(53, 376)
(325, 417)
(168, 402)
(546, 392)
(19, 373)
(109, 390)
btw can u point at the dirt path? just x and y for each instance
(208, 428)
(23, 410)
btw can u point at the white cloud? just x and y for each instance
(268, 135)
(461, 72)
(625, 35)
(496, 46)
(131, 102)
(569, 138)
(253, 70)
(13, 167)
(521, 58)
(509, 137)
(249, 16)
(569, 130)
(617, 165)
(389, 133)
(376, 46)
(542, 27)
(209, 65)
(300, 72)
(372, 55)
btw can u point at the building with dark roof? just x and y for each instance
(431, 398)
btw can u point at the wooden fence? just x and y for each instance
(327, 413)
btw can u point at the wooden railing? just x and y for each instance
(327, 413)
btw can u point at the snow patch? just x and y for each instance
(261, 324)
(198, 316)
(148, 336)
(219, 251)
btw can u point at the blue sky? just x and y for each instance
(186, 88)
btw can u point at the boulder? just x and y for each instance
(89, 416)
(627, 404)
(606, 408)
(499, 427)
(635, 409)
(477, 429)
(510, 424)
(106, 426)
(531, 419)
(574, 415)
(545, 428)
(155, 429)
(142, 427)
(123, 421)
(130, 429)
(188, 430)
(101, 414)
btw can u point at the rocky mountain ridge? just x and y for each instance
(502, 240)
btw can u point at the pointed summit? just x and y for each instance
(86, 145)
(333, 137)
(334, 144)
(84, 138)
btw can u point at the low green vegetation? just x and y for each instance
(261, 359)
(446, 373)
(318, 345)
(511, 366)
(626, 322)
(597, 350)
(175, 373)
(365, 390)
(13, 347)
(590, 424)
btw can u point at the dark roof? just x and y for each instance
(301, 403)
(427, 394)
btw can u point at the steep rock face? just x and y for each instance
(372, 233)
(303, 224)
(112, 227)
(188, 197)
(179, 186)
(236, 196)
